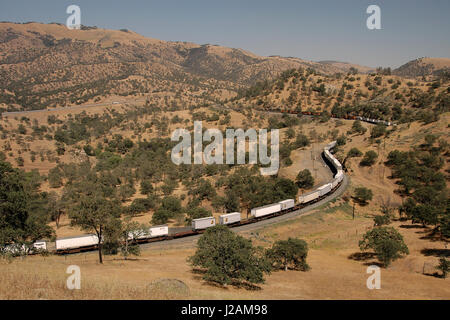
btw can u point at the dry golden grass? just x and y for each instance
(330, 232)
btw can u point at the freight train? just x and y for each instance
(198, 226)
(347, 117)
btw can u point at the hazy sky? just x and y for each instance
(314, 29)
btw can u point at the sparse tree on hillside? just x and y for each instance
(304, 179)
(93, 212)
(369, 158)
(197, 213)
(228, 257)
(444, 266)
(22, 208)
(291, 252)
(362, 195)
(161, 216)
(382, 220)
(55, 207)
(352, 153)
(386, 242)
(232, 203)
(358, 128)
(130, 231)
(378, 131)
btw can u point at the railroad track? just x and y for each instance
(190, 242)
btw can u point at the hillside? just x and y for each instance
(374, 95)
(424, 67)
(47, 65)
(346, 67)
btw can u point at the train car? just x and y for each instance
(15, 249)
(287, 204)
(334, 183)
(203, 223)
(309, 197)
(339, 175)
(266, 210)
(337, 164)
(158, 231)
(40, 245)
(323, 190)
(85, 241)
(331, 145)
(230, 218)
(21, 249)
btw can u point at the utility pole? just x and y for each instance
(353, 210)
(313, 156)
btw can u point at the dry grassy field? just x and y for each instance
(330, 231)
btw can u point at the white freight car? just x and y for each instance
(323, 190)
(40, 245)
(266, 210)
(337, 164)
(76, 242)
(328, 155)
(287, 204)
(152, 232)
(203, 223)
(309, 197)
(331, 145)
(230, 218)
(158, 231)
(339, 175)
(15, 249)
(334, 183)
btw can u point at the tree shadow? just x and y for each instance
(436, 252)
(362, 256)
(245, 285)
(199, 273)
(411, 226)
(434, 274)
(374, 263)
(129, 259)
(360, 202)
(431, 235)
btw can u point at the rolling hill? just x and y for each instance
(424, 67)
(44, 65)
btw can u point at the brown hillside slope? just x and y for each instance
(424, 67)
(45, 65)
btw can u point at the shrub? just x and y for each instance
(386, 242)
(378, 131)
(289, 253)
(369, 158)
(304, 179)
(444, 266)
(363, 195)
(228, 257)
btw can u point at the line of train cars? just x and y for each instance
(349, 117)
(158, 233)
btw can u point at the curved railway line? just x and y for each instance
(260, 217)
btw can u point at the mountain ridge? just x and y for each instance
(44, 65)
